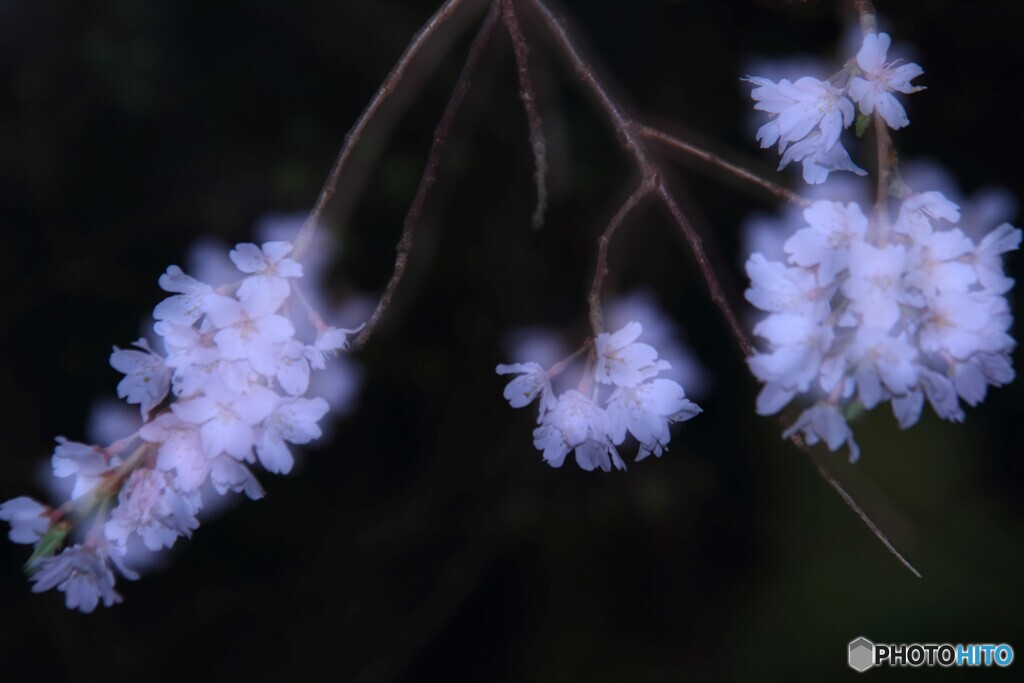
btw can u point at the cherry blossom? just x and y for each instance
(873, 91)
(807, 116)
(82, 573)
(147, 376)
(29, 519)
(624, 396)
(857, 318)
(533, 381)
(228, 390)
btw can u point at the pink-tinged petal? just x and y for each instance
(293, 375)
(871, 56)
(222, 311)
(232, 344)
(297, 419)
(227, 474)
(900, 77)
(892, 111)
(627, 335)
(907, 409)
(638, 355)
(231, 436)
(662, 396)
(971, 383)
(183, 309)
(332, 339)
(195, 410)
(275, 251)
(28, 519)
(255, 405)
(274, 454)
(275, 328)
(175, 280)
(773, 397)
(263, 294)
(248, 258)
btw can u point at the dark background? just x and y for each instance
(426, 540)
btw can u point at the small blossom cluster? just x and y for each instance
(809, 115)
(860, 316)
(620, 392)
(227, 392)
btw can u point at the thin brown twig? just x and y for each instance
(887, 160)
(305, 234)
(630, 134)
(851, 503)
(868, 19)
(429, 175)
(601, 269)
(680, 145)
(528, 95)
(715, 289)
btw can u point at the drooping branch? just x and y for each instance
(305, 235)
(715, 289)
(429, 174)
(632, 139)
(601, 269)
(690, 149)
(630, 133)
(527, 94)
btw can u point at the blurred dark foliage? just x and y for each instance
(426, 540)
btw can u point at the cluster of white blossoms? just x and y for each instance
(620, 392)
(809, 114)
(228, 391)
(861, 315)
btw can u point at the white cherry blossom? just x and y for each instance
(831, 228)
(807, 118)
(824, 422)
(82, 573)
(150, 506)
(227, 420)
(147, 377)
(29, 519)
(265, 290)
(626, 397)
(87, 464)
(623, 361)
(988, 258)
(294, 420)
(246, 335)
(874, 90)
(533, 382)
(229, 389)
(865, 320)
(179, 450)
(577, 425)
(646, 411)
(187, 306)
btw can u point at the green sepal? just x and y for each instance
(46, 547)
(853, 410)
(861, 124)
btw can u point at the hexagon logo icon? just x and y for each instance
(862, 654)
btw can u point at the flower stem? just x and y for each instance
(305, 235)
(429, 174)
